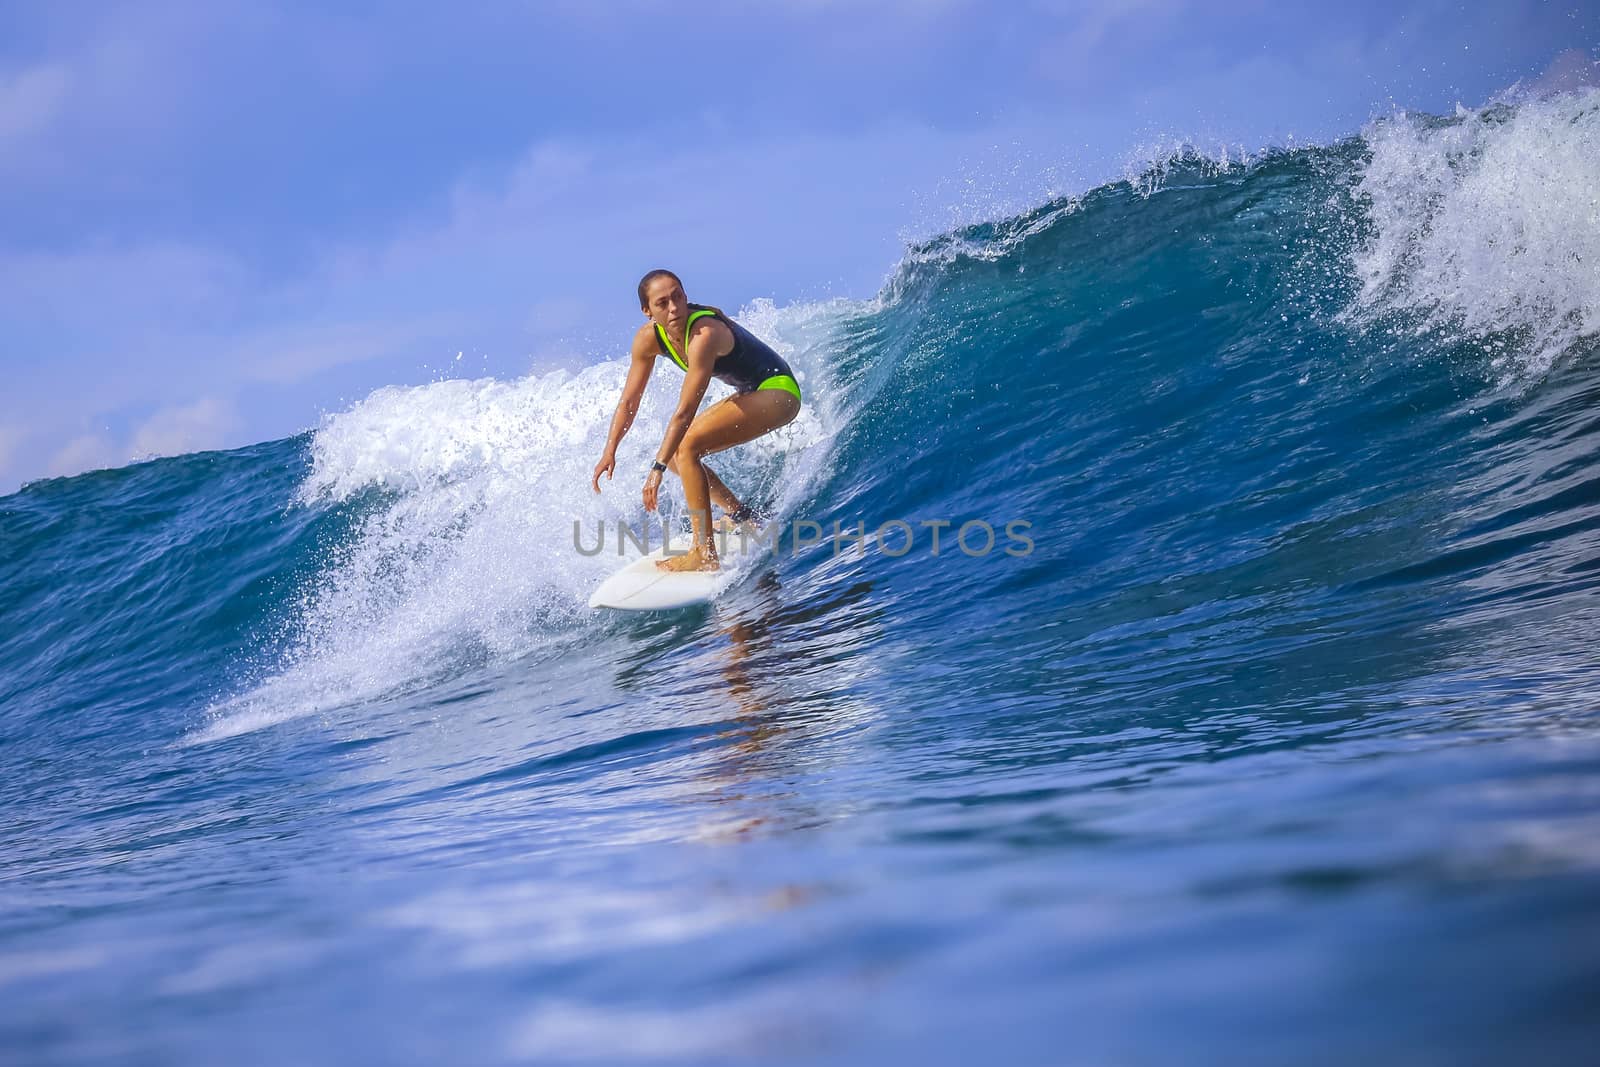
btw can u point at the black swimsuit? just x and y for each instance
(751, 365)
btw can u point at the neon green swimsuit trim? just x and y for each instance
(777, 381)
(688, 328)
(781, 381)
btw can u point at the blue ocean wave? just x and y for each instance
(1297, 666)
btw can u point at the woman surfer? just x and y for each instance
(704, 343)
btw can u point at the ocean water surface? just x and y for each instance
(1278, 744)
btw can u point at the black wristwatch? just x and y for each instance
(658, 466)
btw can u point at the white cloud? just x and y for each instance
(85, 453)
(298, 353)
(30, 102)
(204, 424)
(10, 436)
(1086, 27)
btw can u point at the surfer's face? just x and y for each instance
(667, 305)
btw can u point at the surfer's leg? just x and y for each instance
(721, 495)
(737, 419)
(702, 555)
(733, 421)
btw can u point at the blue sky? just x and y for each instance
(219, 220)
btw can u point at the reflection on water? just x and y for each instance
(787, 671)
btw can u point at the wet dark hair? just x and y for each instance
(644, 283)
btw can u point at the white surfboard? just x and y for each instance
(642, 586)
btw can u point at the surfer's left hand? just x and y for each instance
(652, 482)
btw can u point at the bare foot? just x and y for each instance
(693, 560)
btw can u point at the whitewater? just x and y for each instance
(1280, 744)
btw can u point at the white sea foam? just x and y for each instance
(1001, 240)
(1487, 225)
(467, 553)
(1148, 166)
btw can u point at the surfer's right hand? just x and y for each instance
(606, 466)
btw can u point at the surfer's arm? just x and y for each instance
(642, 362)
(701, 358)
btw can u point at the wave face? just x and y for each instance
(1271, 714)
